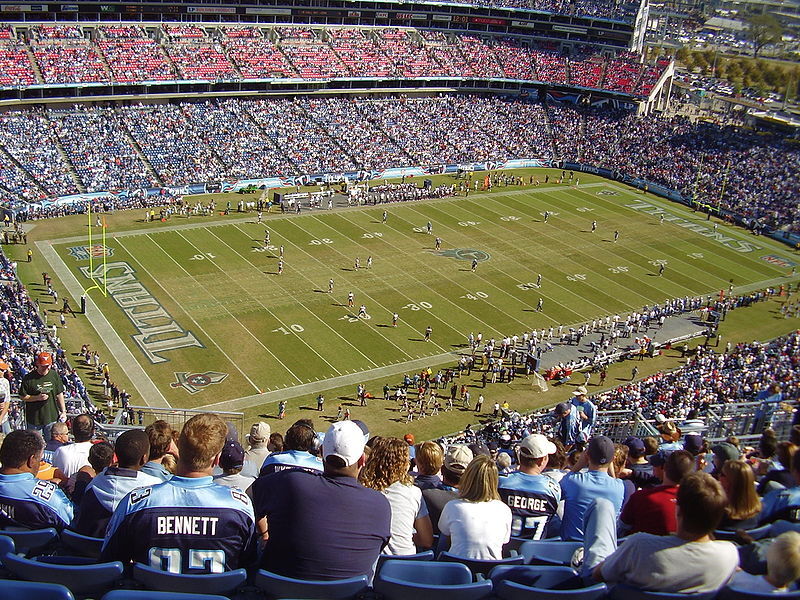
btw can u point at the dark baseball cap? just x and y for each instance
(726, 451)
(601, 450)
(562, 408)
(659, 458)
(693, 443)
(232, 456)
(635, 446)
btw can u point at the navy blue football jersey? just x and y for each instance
(184, 525)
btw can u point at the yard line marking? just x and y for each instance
(304, 306)
(422, 284)
(372, 299)
(258, 300)
(210, 338)
(147, 389)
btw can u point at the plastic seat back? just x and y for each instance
(212, 583)
(82, 545)
(626, 592)
(509, 590)
(31, 542)
(549, 553)
(428, 573)
(480, 566)
(427, 555)
(734, 593)
(6, 546)
(81, 580)
(278, 586)
(540, 576)
(152, 595)
(33, 590)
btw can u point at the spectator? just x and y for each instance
(652, 510)
(779, 476)
(783, 568)
(478, 523)
(71, 457)
(257, 452)
(5, 398)
(744, 505)
(232, 462)
(579, 488)
(556, 461)
(299, 442)
(275, 443)
(641, 470)
(325, 525)
(532, 496)
(455, 463)
(724, 451)
(42, 392)
(670, 437)
(503, 462)
(688, 562)
(569, 424)
(429, 460)
(783, 504)
(27, 502)
(386, 470)
(109, 487)
(162, 442)
(167, 524)
(59, 436)
(100, 456)
(587, 412)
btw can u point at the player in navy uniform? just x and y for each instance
(188, 524)
(532, 497)
(27, 502)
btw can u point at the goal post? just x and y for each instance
(96, 251)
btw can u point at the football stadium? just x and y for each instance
(394, 299)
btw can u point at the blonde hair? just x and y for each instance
(740, 486)
(429, 458)
(479, 481)
(170, 463)
(388, 463)
(202, 439)
(783, 559)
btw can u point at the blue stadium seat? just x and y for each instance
(6, 546)
(509, 590)
(402, 580)
(427, 555)
(732, 593)
(152, 595)
(33, 590)
(481, 567)
(277, 586)
(730, 536)
(549, 553)
(626, 592)
(514, 545)
(213, 583)
(33, 541)
(81, 579)
(779, 527)
(541, 576)
(81, 545)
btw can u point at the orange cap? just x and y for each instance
(44, 358)
(4, 366)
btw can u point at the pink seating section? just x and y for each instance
(130, 54)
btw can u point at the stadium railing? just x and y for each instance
(176, 417)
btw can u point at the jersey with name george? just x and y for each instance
(184, 525)
(533, 500)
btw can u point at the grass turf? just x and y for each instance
(268, 331)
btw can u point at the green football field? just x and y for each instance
(202, 309)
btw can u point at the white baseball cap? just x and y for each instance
(345, 440)
(536, 446)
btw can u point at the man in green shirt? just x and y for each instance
(42, 392)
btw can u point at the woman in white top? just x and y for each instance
(478, 522)
(386, 470)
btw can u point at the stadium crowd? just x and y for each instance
(747, 173)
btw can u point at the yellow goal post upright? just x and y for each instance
(100, 283)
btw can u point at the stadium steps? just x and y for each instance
(73, 173)
(104, 60)
(12, 159)
(139, 152)
(36, 70)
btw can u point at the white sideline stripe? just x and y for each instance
(324, 385)
(147, 390)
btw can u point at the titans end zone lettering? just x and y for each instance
(704, 230)
(158, 331)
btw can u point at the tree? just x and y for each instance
(763, 30)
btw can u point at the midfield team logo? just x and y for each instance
(197, 382)
(95, 251)
(468, 254)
